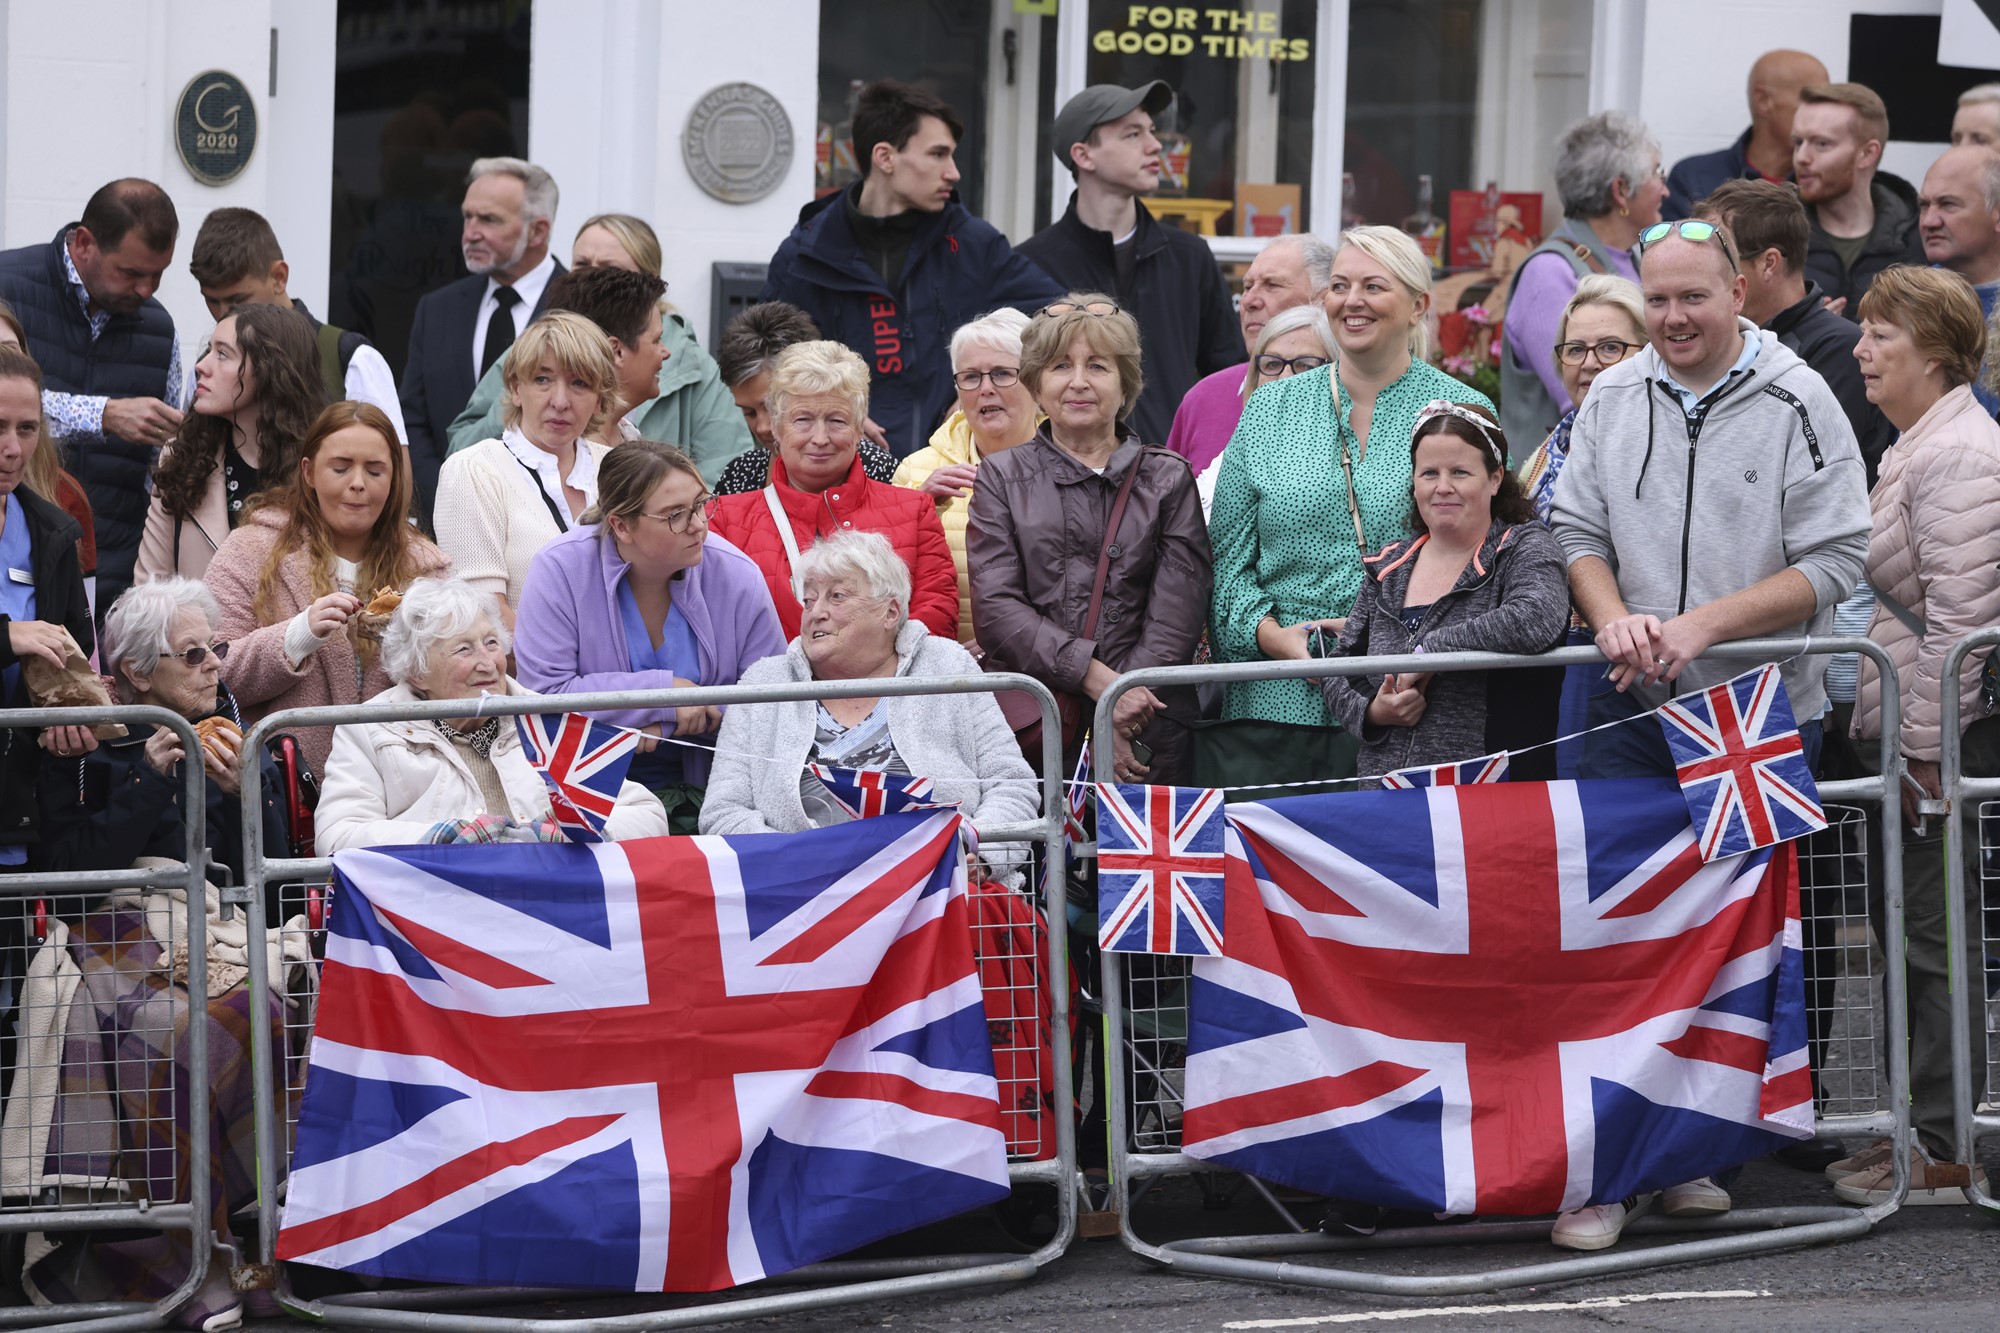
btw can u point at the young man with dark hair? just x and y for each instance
(892, 265)
(1106, 241)
(1863, 218)
(113, 389)
(237, 261)
(1768, 224)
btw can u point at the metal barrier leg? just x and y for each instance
(1966, 797)
(1144, 1151)
(838, 1282)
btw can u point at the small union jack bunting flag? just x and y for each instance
(865, 793)
(584, 762)
(1737, 752)
(1160, 860)
(1486, 768)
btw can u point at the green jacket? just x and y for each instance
(693, 410)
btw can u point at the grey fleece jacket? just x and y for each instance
(1511, 598)
(1689, 510)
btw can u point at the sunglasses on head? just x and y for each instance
(1087, 307)
(1693, 229)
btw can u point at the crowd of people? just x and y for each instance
(926, 452)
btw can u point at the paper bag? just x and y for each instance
(75, 684)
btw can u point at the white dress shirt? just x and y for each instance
(529, 289)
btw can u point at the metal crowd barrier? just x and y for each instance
(832, 1283)
(141, 1188)
(1143, 1096)
(1970, 1122)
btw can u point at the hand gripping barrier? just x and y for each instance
(836, 1282)
(140, 1186)
(1143, 1151)
(1967, 1092)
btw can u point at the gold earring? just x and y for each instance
(1624, 212)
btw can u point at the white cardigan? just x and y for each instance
(388, 782)
(492, 516)
(960, 741)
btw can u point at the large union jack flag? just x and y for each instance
(668, 1064)
(1741, 765)
(1159, 869)
(584, 763)
(1504, 998)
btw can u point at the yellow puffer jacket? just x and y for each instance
(1936, 549)
(952, 443)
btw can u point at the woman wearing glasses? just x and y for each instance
(995, 412)
(643, 596)
(1318, 475)
(819, 399)
(1293, 342)
(1602, 325)
(1088, 552)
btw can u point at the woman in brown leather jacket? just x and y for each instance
(1037, 532)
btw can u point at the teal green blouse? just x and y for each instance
(1283, 536)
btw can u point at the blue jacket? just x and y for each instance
(1694, 178)
(958, 269)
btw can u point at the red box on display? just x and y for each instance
(1477, 220)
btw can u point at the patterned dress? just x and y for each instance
(1284, 539)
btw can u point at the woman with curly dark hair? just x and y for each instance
(256, 391)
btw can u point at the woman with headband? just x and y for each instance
(1481, 575)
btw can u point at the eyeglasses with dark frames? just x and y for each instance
(1271, 366)
(1609, 351)
(679, 520)
(1003, 377)
(198, 654)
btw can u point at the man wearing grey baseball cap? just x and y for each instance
(1107, 241)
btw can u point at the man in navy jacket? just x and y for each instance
(894, 264)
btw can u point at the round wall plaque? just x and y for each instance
(215, 127)
(738, 143)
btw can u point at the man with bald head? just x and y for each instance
(1288, 272)
(1762, 152)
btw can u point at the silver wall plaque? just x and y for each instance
(738, 143)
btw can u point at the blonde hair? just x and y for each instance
(1396, 251)
(1621, 294)
(1115, 335)
(572, 345)
(43, 473)
(637, 237)
(806, 369)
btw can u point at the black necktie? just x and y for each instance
(500, 328)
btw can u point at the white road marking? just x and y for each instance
(1521, 1307)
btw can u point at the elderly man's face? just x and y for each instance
(843, 626)
(1276, 280)
(1977, 124)
(187, 690)
(465, 665)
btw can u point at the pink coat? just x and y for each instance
(257, 671)
(1936, 549)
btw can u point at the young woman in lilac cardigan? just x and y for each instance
(641, 597)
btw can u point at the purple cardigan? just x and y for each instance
(569, 637)
(1208, 417)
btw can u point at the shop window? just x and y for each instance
(1238, 139)
(1412, 90)
(936, 45)
(419, 92)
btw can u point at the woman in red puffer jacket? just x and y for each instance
(818, 400)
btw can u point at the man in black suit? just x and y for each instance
(462, 329)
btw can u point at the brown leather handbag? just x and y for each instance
(1023, 712)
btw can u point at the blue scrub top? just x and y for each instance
(679, 653)
(17, 601)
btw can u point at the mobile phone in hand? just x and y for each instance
(1142, 753)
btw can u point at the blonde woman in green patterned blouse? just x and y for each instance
(1318, 474)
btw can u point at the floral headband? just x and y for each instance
(1495, 443)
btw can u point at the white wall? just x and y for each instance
(610, 89)
(89, 96)
(1693, 85)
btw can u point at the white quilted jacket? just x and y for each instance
(1935, 548)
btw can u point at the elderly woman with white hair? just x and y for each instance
(857, 627)
(117, 998)
(819, 399)
(460, 779)
(1294, 341)
(995, 412)
(1608, 174)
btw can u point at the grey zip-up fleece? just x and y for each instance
(1765, 477)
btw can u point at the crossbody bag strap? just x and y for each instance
(1911, 620)
(1110, 541)
(784, 523)
(562, 524)
(1340, 434)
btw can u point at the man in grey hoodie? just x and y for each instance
(1714, 491)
